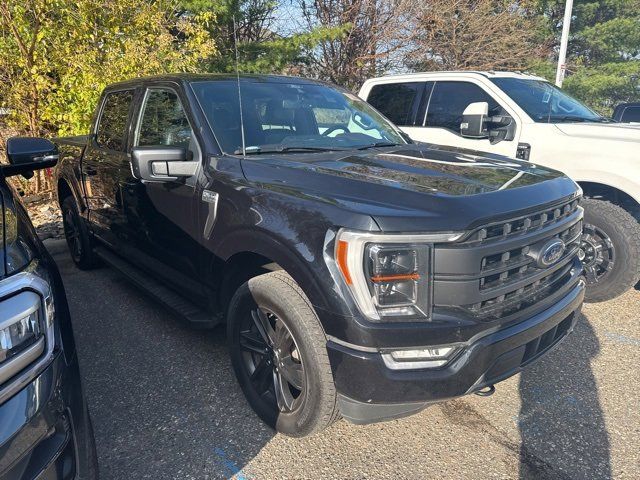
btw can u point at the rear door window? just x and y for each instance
(450, 99)
(399, 102)
(631, 114)
(112, 128)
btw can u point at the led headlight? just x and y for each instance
(22, 338)
(26, 329)
(388, 275)
(21, 331)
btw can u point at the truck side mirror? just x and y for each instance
(162, 163)
(26, 154)
(474, 120)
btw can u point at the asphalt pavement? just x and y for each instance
(165, 405)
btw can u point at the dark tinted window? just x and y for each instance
(164, 121)
(631, 114)
(113, 121)
(397, 101)
(450, 99)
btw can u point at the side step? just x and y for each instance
(182, 307)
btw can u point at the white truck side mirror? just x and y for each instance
(474, 120)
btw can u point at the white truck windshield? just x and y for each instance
(544, 102)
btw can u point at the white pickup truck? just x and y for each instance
(526, 117)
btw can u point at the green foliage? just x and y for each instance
(56, 56)
(602, 87)
(604, 50)
(261, 48)
(284, 54)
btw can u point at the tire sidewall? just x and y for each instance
(626, 258)
(256, 293)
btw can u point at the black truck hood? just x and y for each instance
(414, 187)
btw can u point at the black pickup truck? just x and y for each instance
(359, 275)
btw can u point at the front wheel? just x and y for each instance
(610, 250)
(278, 352)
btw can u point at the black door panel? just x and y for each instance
(160, 217)
(102, 165)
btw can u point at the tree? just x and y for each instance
(475, 34)
(365, 37)
(56, 56)
(603, 64)
(261, 47)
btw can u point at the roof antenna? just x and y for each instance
(235, 46)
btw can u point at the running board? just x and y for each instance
(175, 302)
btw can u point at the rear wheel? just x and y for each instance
(77, 235)
(278, 351)
(610, 250)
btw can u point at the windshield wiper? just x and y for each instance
(292, 149)
(568, 118)
(379, 144)
(575, 118)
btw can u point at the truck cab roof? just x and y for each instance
(210, 77)
(448, 73)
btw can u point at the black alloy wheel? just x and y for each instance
(279, 354)
(272, 360)
(597, 253)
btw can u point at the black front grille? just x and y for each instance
(526, 223)
(522, 297)
(514, 264)
(496, 275)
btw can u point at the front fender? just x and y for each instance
(298, 260)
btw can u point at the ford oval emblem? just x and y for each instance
(551, 252)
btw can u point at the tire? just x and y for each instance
(308, 404)
(610, 250)
(78, 238)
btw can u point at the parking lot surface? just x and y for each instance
(165, 405)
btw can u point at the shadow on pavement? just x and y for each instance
(133, 357)
(561, 420)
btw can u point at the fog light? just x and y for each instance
(419, 358)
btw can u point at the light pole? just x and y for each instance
(564, 40)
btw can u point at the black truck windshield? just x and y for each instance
(545, 103)
(291, 117)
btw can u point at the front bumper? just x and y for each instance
(45, 431)
(368, 391)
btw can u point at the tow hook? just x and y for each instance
(486, 391)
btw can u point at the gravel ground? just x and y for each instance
(165, 405)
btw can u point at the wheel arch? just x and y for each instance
(246, 254)
(67, 187)
(617, 196)
(64, 190)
